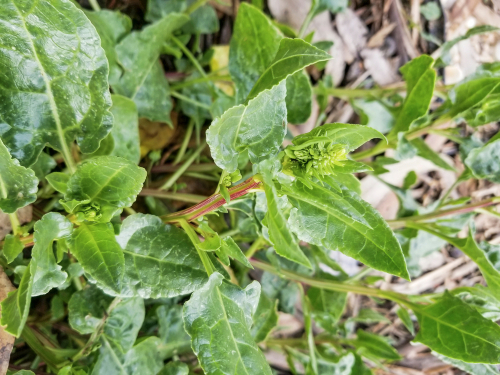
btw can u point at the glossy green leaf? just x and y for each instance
(47, 274)
(452, 328)
(232, 250)
(343, 221)
(95, 247)
(292, 56)
(175, 368)
(483, 299)
(327, 307)
(18, 185)
(56, 74)
(257, 128)
(43, 166)
(110, 182)
(143, 79)
(171, 327)
(160, 260)
(265, 318)
(374, 346)
(87, 308)
(218, 317)
(420, 79)
(469, 368)
(58, 181)
(112, 26)
(15, 308)
(125, 129)
(298, 98)
(12, 247)
(484, 162)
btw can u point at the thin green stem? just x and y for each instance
(14, 223)
(95, 5)
(209, 267)
(309, 332)
(171, 181)
(209, 77)
(189, 55)
(306, 23)
(256, 246)
(189, 100)
(189, 198)
(185, 142)
(222, 176)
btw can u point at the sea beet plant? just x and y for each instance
(108, 277)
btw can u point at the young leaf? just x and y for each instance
(143, 79)
(18, 185)
(95, 247)
(420, 79)
(160, 260)
(12, 247)
(58, 181)
(87, 308)
(265, 318)
(257, 128)
(125, 129)
(293, 55)
(343, 221)
(456, 330)
(232, 250)
(371, 345)
(15, 308)
(56, 75)
(298, 98)
(109, 182)
(47, 274)
(218, 317)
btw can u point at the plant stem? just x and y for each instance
(306, 23)
(95, 5)
(256, 246)
(171, 181)
(213, 202)
(209, 77)
(209, 267)
(189, 55)
(185, 142)
(396, 224)
(14, 223)
(189, 100)
(190, 198)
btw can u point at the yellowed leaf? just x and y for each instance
(155, 135)
(219, 65)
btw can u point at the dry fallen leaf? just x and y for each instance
(155, 135)
(6, 339)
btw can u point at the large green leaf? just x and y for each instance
(293, 55)
(18, 185)
(108, 183)
(125, 129)
(87, 308)
(15, 308)
(143, 79)
(258, 128)
(160, 260)
(112, 26)
(341, 220)
(456, 330)
(470, 368)
(54, 79)
(47, 274)
(95, 247)
(218, 317)
(484, 162)
(420, 79)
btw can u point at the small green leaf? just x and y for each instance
(371, 345)
(47, 274)
(55, 73)
(95, 247)
(143, 79)
(265, 318)
(218, 317)
(375, 114)
(298, 98)
(58, 181)
(431, 11)
(125, 130)
(406, 319)
(175, 368)
(232, 250)
(484, 162)
(428, 153)
(15, 308)
(257, 128)
(327, 307)
(369, 316)
(87, 308)
(12, 247)
(343, 221)
(292, 56)
(18, 185)
(456, 330)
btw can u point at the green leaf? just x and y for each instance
(15, 308)
(334, 6)
(469, 368)
(232, 250)
(143, 79)
(160, 260)
(175, 368)
(58, 181)
(343, 221)
(110, 182)
(171, 327)
(375, 114)
(420, 79)
(21, 372)
(12, 247)
(428, 153)
(452, 328)
(87, 308)
(431, 11)
(406, 319)
(218, 317)
(484, 162)
(95, 247)
(47, 274)
(265, 318)
(125, 129)
(112, 26)
(257, 128)
(43, 166)
(327, 307)
(54, 73)
(18, 185)
(369, 316)
(374, 346)
(292, 56)
(298, 98)
(481, 298)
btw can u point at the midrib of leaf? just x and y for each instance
(131, 253)
(107, 182)
(239, 126)
(53, 106)
(148, 70)
(113, 355)
(219, 294)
